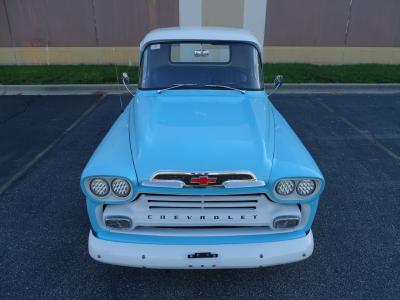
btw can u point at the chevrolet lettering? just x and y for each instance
(200, 170)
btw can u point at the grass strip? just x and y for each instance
(293, 73)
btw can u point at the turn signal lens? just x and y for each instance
(305, 187)
(286, 222)
(285, 187)
(99, 187)
(118, 222)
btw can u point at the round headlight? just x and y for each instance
(99, 187)
(305, 187)
(121, 187)
(285, 187)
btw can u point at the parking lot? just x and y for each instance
(45, 142)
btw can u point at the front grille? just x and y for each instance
(198, 203)
(220, 177)
(201, 214)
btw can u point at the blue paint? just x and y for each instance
(113, 156)
(210, 240)
(200, 130)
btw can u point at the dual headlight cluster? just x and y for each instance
(103, 187)
(287, 188)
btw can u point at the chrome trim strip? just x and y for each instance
(176, 184)
(164, 183)
(234, 184)
(230, 184)
(202, 173)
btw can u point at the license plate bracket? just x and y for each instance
(203, 255)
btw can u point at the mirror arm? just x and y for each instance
(274, 90)
(125, 81)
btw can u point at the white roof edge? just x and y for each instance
(200, 33)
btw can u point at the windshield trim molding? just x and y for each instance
(172, 41)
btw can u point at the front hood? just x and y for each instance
(201, 131)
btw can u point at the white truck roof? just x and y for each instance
(201, 34)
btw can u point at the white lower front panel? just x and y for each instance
(201, 211)
(211, 256)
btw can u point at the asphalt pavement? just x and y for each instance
(355, 140)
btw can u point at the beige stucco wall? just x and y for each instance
(69, 55)
(223, 13)
(332, 55)
(129, 55)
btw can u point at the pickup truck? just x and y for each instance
(201, 171)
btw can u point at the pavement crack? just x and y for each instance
(18, 113)
(49, 147)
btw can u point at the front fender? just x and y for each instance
(291, 158)
(113, 156)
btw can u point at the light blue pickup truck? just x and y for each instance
(201, 170)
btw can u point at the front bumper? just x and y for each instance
(176, 256)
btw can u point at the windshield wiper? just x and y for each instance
(176, 86)
(224, 87)
(179, 85)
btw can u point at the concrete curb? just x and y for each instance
(290, 88)
(338, 88)
(63, 89)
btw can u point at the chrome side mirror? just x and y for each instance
(278, 81)
(125, 78)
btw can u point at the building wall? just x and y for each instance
(336, 32)
(105, 31)
(79, 31)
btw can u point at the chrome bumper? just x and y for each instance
(209, 256)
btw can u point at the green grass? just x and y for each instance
(293, 73)
(68, 74)
(303, 73)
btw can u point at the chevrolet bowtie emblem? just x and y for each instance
(203, 180)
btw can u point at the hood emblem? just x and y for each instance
(203, 180)
(223, 179)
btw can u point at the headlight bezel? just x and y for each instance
(111, 196)
(304, 181)
(295, 196)
(113, 188)
(91, 189)
(290, 181)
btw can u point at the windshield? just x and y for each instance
(197, 65)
